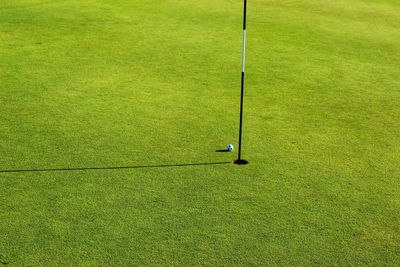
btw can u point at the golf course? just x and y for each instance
(115, 116)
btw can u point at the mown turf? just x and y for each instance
(99, 83)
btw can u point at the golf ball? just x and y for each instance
(229, 147)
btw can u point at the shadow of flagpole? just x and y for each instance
(116, 167)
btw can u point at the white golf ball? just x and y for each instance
(229, 147)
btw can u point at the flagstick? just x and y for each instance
(241, 161)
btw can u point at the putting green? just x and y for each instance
(98, 84)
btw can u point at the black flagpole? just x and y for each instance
(241, 161)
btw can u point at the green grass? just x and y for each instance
(98, 83)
